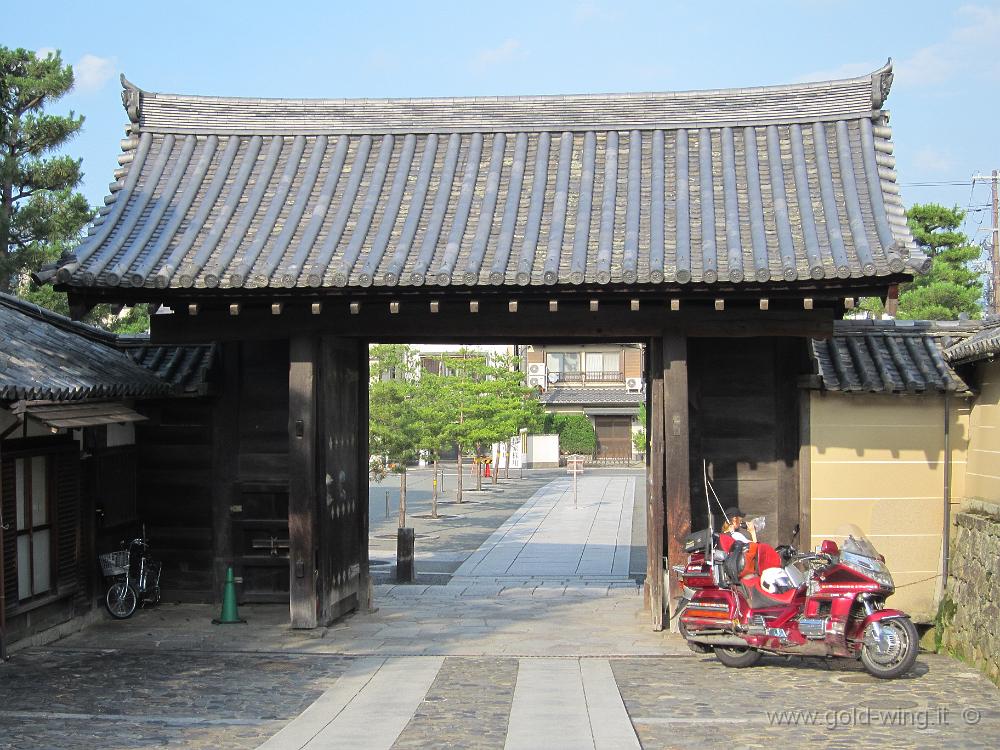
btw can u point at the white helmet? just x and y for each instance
(775, 581)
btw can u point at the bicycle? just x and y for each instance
(135, 578)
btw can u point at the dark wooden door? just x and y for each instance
(260, 542)
(614, 438)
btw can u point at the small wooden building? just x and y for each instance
(86, 417)
(722, 229)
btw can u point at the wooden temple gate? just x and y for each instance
(722, 229)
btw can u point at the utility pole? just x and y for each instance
(995, 250)
(995, 255)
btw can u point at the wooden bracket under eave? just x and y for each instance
(892, 300)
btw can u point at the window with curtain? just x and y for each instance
(34, 526)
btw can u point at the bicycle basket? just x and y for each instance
(114, 563)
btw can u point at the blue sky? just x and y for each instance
(944, 100)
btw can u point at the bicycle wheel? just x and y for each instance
(121, 600)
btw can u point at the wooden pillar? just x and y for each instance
(804, 540)
(653, 590)
(677, 482)
(302, 470)
(225, 457)
(788, 354)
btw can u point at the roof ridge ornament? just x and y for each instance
(881, 83)
(131, 98)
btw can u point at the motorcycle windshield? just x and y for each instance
(854, 541)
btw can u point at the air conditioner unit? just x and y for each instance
(537, 368)
(635, 384)
(536, 381)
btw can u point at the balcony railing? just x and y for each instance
(582, 378)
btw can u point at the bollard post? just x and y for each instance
(387, 505)
(404, 555)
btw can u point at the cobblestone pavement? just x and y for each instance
(168, 678)
(64, 699)
(695, 702)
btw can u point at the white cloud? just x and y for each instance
(968, 48)
(847, 70)
(507, 51)
(91, 72)
(929, 159)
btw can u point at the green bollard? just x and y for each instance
(229, 614)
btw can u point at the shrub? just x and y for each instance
(576, 433)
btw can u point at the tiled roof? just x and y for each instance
(889, 357)
(45, 356)
(591, 397)
(187, 367)
(742, 186)
(984, 343)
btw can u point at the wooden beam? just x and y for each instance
(653, 590)
(677, 483)
(533, 320)
(302, 472)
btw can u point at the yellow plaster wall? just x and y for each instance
(877, 461)
(983, 473)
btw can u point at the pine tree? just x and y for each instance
(40, 212)
(953, 286)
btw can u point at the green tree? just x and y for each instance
(434, 413)
(40, 213)
(576, 433)
(393, 427)
(639, 436)
(953, 286)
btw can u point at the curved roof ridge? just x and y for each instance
(796, 102)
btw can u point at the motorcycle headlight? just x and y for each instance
(867, 566)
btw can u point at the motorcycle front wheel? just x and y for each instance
(121, 600)
(737, 658)
(895, 653)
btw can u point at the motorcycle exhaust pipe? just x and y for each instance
(720, 640)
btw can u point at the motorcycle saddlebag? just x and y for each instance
(697, 540)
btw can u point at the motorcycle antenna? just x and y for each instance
(708, 486)
(708, 503)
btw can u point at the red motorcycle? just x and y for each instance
(829, 603)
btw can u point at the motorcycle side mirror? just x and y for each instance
(829, 547)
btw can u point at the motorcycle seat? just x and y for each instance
(760, 599)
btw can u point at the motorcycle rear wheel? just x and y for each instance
(121, 601)
(737, 658)
(887, 668)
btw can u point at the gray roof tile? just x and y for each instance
(889, 357)
(749, 186)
